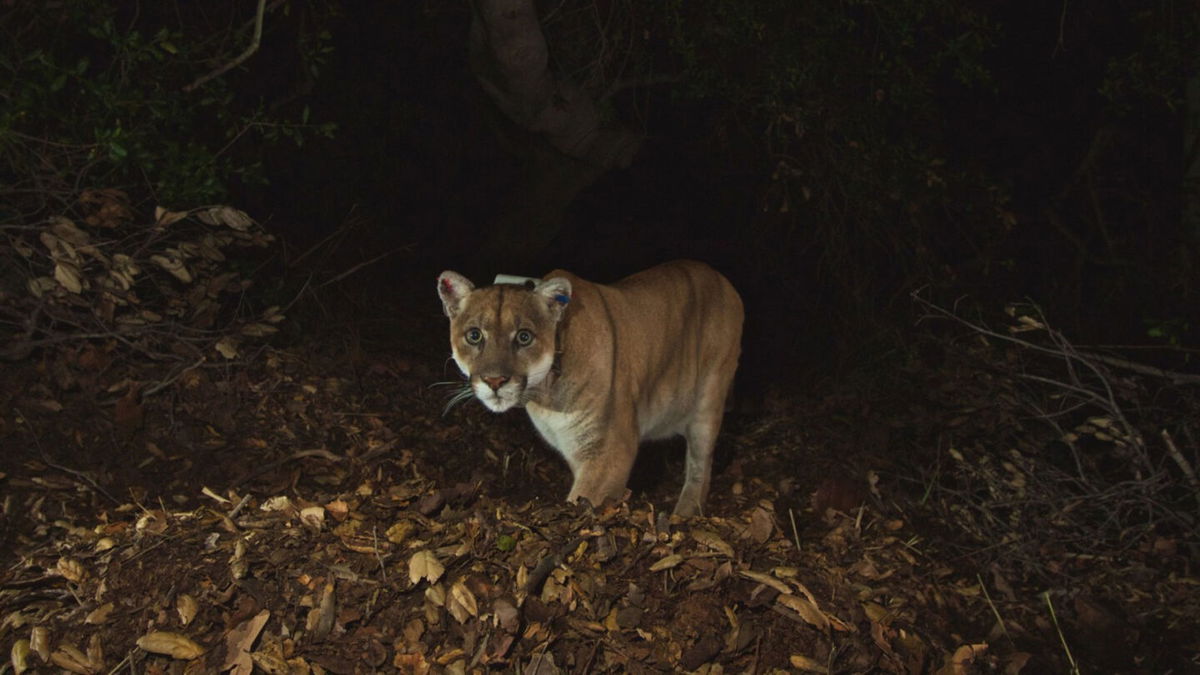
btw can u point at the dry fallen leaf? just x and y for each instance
(806, 664)
(542, 664)
(226, 215)
(424, 565)
(227, 346)
(127, 413)
(436, 595)
(18, 656)
(152, 522)
(174, 265)
(972, 590)
(258, 329)
(413, 630)
(667, 562)
(39, 286)
(714, 541)
(269, 663)
(39, 642)
(70, 569)
(806, 609)
(239, 641)
(187, 607)
(64, 228)
(963, 656)
(170, 644)
(50, 241)
(875, 612)
(411, 663)
(238, 565)
(278, 503)
(163, 217)
(339, 509)
(461, 603)
(99, 615)
(68, 657)
(761, 526)
(321, 618)
(313, 516)
(95, 652)
(399, 532)
(22, 247)
(766, 580)
(69, 276)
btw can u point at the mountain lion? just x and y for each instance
(600, 368)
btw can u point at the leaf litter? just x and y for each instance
(301, 514)
(374, 557)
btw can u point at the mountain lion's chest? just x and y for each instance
(568, 432)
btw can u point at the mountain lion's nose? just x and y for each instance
(495, 382)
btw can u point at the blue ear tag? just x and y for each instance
(562, 299)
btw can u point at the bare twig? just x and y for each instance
(995, 612)
(299, 454)
(1155, 348)
(363, 264)
(237, 509)
(343, 230)
(378, 556)
(795, 532)
(1062, 638)
(249, 51)
(1143, 369)
(1071, 357)
(1182, 462)
(620, 85)
(1099, 504)
(1174, 376)
(547, 565)
(170, 380)
(65, 469)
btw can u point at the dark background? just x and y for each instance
(829, 159)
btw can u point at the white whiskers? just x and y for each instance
(461, 391)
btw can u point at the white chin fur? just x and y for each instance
(500, 401)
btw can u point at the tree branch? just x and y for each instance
(258, 25)
(511, 60)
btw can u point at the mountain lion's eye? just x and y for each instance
(474, 336)
(524, 337)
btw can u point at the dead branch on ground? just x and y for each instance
(1114, 488)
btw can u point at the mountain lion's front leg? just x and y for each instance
(605, 467)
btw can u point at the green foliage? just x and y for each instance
(1169, 331)
(96, 96)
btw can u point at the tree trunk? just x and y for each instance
(510, 59)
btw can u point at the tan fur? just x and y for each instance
(649, 357)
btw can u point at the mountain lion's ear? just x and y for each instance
(453, 287)
(557, 293)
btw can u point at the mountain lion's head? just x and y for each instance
(503, 337)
